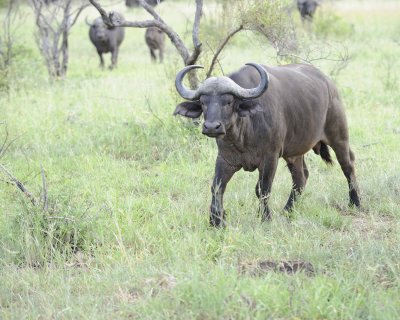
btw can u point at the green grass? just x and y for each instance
(129, 188)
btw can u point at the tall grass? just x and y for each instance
(127, 234)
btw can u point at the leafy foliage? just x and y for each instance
(329, 24)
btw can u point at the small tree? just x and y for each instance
(7, 43)
(271, 19)
(54, 20)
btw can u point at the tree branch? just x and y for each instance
(77, 13)
(114, 19)
(221, 47)
(195, 34)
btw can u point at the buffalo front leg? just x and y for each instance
(266, 174)
(101, 59)
(161, 54)
(223, 173)
(299, 172)
(114, 58)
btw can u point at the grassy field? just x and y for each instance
(127, 232)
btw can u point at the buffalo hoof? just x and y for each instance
(218, 219)
(288, 207)
(265, 213)
(354, 200)
(355, 204)
(266, 216)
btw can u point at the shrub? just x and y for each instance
(328, 24)
(3, 3)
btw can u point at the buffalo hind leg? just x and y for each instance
(264, 185)
(346, 160)
(299, 172)
(223, 173)
(305, 169)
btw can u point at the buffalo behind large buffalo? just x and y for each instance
(155, 40)
(260, 114)
(307, 9)
(135, 3)
(106, 39)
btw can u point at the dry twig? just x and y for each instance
(19, 185)
(221, 47)
(6, 144)
(44, 185)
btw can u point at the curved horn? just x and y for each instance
(253, 93)
(182, 90)
(87, 22)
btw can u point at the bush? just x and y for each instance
(328, 24)
(3, 3)
(48, 235)
(6, 44)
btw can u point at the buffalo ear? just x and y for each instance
(248, 107)
(189, 109)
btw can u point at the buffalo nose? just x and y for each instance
(212, 125)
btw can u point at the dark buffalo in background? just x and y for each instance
(307, 8)
(254, 127)
(106, 39)
(135, 3)
(155, 40)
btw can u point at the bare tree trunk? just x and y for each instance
(54, 21)
(7, 43)
(64, 52)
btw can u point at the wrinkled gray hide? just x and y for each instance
(260, 114)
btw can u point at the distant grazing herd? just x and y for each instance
(108, 39)
(257, 115)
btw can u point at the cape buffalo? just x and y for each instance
(155, 40)
(307, 8)
(106, 39)
(135, 3)
(254, 127)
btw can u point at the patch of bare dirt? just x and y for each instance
(371, 226)
(260, 268)
(160, 283)
(128, 295)
(149, 287)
